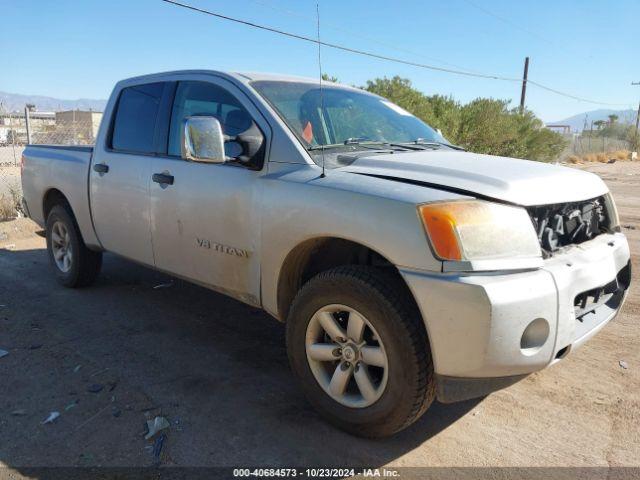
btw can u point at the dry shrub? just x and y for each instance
(589, 158)
(621, 155)
(7, 208)
(574, 159)
(10, 204)
(602, 157)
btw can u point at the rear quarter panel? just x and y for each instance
(65, 169)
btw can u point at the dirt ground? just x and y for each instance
(217, 370)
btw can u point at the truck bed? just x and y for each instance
(76, 148)
(52, 169)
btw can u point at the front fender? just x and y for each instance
(299, 205)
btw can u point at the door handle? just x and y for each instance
(101, 168)
(162, 178)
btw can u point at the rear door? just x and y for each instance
(121, 173)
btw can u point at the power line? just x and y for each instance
(508, 22)
(341, 47)
(351, 33)
(384, 57)
(526, 30)
(574, 97)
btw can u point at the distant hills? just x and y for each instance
(577, 122)
(12, 102)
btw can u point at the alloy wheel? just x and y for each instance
(347, 356)
(61, 246)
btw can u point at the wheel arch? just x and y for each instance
(315, 255)
(53, 197)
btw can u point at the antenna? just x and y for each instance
(320, 78)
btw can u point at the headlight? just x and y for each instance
(478, 230)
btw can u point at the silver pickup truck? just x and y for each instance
(405, 268)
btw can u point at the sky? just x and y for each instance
(73, 49)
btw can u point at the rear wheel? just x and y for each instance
(357, 344)
(74, 264)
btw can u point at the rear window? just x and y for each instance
(135, 121)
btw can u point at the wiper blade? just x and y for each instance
(420, 141)
(408, 146)
(351, 142)
(347, 142)
(324, 147)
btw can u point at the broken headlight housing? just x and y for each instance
(477, 230)
(612, 212)
(573, 223)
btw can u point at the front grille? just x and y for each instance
(565, 224)
(588, 301)
(610, 294)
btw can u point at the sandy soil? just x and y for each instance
(217, 370)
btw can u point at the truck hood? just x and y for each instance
(521, 182)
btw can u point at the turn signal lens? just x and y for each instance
(479, 230)
(440, 222)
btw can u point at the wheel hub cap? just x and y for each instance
(346, 356)
(61, 247)
(349, 353)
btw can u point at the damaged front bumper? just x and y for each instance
(490, 329)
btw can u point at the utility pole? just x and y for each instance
(27, 124)
(524, 84)
(636, 139)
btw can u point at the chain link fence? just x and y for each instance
(73, 127)
(592, 146)
(582, 145)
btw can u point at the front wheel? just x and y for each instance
(356, 342)
(74, 264)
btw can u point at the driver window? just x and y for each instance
(202, 98)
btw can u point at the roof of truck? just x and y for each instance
(244, 77)
(257, 76)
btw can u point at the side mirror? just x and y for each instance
(252, 142)
(202, 140)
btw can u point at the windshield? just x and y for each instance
(343, 117)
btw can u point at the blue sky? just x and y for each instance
(73, 49)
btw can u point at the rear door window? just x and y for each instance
(135, 121)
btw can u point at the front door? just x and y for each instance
(205, 217)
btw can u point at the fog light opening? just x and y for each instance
(534, 337)
(562, 352)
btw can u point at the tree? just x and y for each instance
(599, 124)
(484, 125)
(612, 119)
(328, 78)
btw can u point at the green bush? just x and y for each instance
(484, 125)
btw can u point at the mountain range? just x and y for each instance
(13, 102)
(577, 122)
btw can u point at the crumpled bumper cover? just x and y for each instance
(475, 322)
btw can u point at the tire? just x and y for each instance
(395, 325)
(83, 264)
